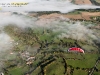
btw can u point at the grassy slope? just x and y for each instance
(57, 67)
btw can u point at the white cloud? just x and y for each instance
(20, 21)
(5, 42)
(63, 6)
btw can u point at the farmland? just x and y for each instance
(41, 46)
(49, 55)
(86, 2)
(82, 2)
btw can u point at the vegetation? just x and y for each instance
(95, 2)
(49, 53)
(75, 12)
(50, 56)
(45, 12)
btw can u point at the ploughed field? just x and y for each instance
(86, 2)
(80, 14)
(82, 2)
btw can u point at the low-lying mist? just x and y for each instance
(63, 6)
(18, 20)
(67, 28)
(76, 30)
(5, 42)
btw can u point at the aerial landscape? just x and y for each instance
(50, 37)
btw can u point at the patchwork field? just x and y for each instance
(42, 47)
(50, 56)
(83, 2)
(77, 15)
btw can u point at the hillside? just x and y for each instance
(42, 54)
(38, 42)
(40, 45)
(86, 2)
(74, 15)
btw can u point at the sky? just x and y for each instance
(63, 6)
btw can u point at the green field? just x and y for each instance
(97, 1)
(51, 54)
